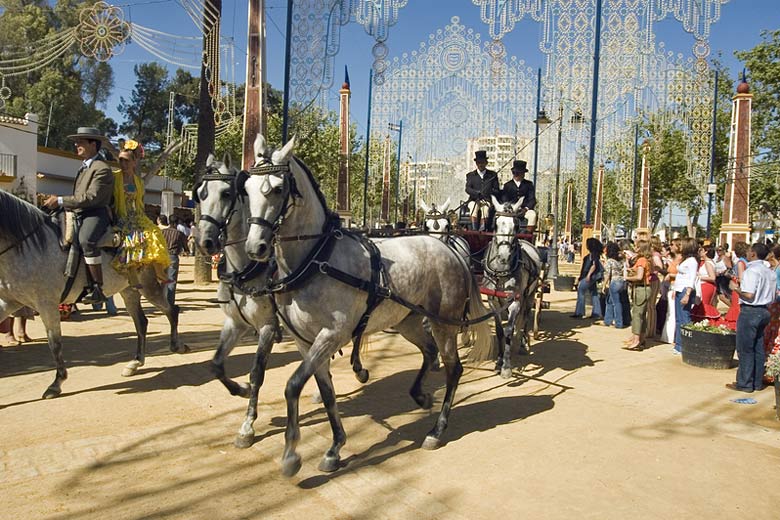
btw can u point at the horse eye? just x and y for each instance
(225, 195)
(278, 190)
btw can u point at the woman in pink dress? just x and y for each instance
(705, 309)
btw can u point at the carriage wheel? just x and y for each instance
(537, 312)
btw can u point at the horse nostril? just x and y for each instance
(209, 245)
(261, 250)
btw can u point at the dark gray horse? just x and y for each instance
(321, 267)
(32, 264)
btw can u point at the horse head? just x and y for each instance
(507, 227)
(436, 220)
(270, 188)
(220, 194)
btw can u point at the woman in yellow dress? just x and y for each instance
(143, 242)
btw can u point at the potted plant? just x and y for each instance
(707, 345)
(563, 283)
(772, 369)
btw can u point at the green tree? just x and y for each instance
(146, 110)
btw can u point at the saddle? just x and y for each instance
(65, 222)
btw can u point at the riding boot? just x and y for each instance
(96, 294)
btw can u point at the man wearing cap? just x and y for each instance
(91, 198)
(480, 185)
(519, 188)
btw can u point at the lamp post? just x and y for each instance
(400, 129)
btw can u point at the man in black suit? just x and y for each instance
(480, 185)
(521, 189)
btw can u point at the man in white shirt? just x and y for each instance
(756, 291)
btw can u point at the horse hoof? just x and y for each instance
(291, 465)
(362, 375)
(182, 348)
(131, 368)
(506, 373)
(431, 443)
(425, 401)
(244, 441)
(51, 393)
(329, 464)
(497, 368)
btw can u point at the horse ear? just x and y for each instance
(210, 159)
(446, 205)
(424, 206)
(259, 146)
(496, 204)
(286, 150)
(517, 205)
(241, 178)
(226, 160)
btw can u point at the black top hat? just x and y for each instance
(519, 167)
(481, 156)
(88, 132)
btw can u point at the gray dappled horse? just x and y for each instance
(437, 223)
(319, 268)
(511, 266)
(32, 264)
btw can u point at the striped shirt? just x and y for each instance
(175, 239)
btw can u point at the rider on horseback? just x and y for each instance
(519, 188)
(480, 185)
(91, 198)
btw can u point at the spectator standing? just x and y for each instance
(670, 323)
(724, 263)
(176, 244)
(740, 265)
(657, 270)
(591, 273)
(706, 289)
(639, 276)
(756, 291)
(684, 288)
(772, 332)
(615, 286)
(192, 240)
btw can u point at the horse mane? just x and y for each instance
(330, 215)
(22, 222)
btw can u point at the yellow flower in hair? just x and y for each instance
(130, 145)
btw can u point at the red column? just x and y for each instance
(342, 186)
(736, 202)
(643, 229)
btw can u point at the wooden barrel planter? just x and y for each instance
(707, 349)
(563, 283)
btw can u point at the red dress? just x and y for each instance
(705, 309)
(730, 319)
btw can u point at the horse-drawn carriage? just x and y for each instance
(453, 226)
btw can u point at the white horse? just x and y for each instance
(32, 264)
(333, 283)
(512, 269)
(437, 223)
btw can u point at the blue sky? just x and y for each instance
(739, 28)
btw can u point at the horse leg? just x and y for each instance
(132, 299)
(232, 331)
(332, 459)
(265, 342)
(361, 374)
(412, 329)
(50, 316)
(157, 295)
(509, 333)
(447, 339)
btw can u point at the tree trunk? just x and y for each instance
(206, 132)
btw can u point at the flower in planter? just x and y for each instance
(707, 326)
(772, 366)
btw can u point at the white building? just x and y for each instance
(27, 169)
(501, 151)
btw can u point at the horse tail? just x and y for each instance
(483, 347)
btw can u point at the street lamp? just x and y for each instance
(397, 128)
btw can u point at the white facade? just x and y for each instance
(18, 155)
(501, 151)
(27, 169)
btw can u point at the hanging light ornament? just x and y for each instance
(102, 31)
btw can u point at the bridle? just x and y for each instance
(437, 215)
(509, 240)
(267, 169)
(236, 180)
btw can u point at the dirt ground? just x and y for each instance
(583, 429)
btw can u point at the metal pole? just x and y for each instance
(712, 152)
(552, 272)
(536, 132)
(400, 128)
(48, 124)
(287, 52)
(593, 111)
(368, 147)
(633, 179)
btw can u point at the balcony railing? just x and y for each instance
(7, 165)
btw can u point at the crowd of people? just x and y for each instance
(667, 286)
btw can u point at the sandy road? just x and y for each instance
(582, 430)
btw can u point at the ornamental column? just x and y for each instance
(569, 208)
(597, 222)
(736, 202)
(342, 186)
(385, 213)
(643, 227)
